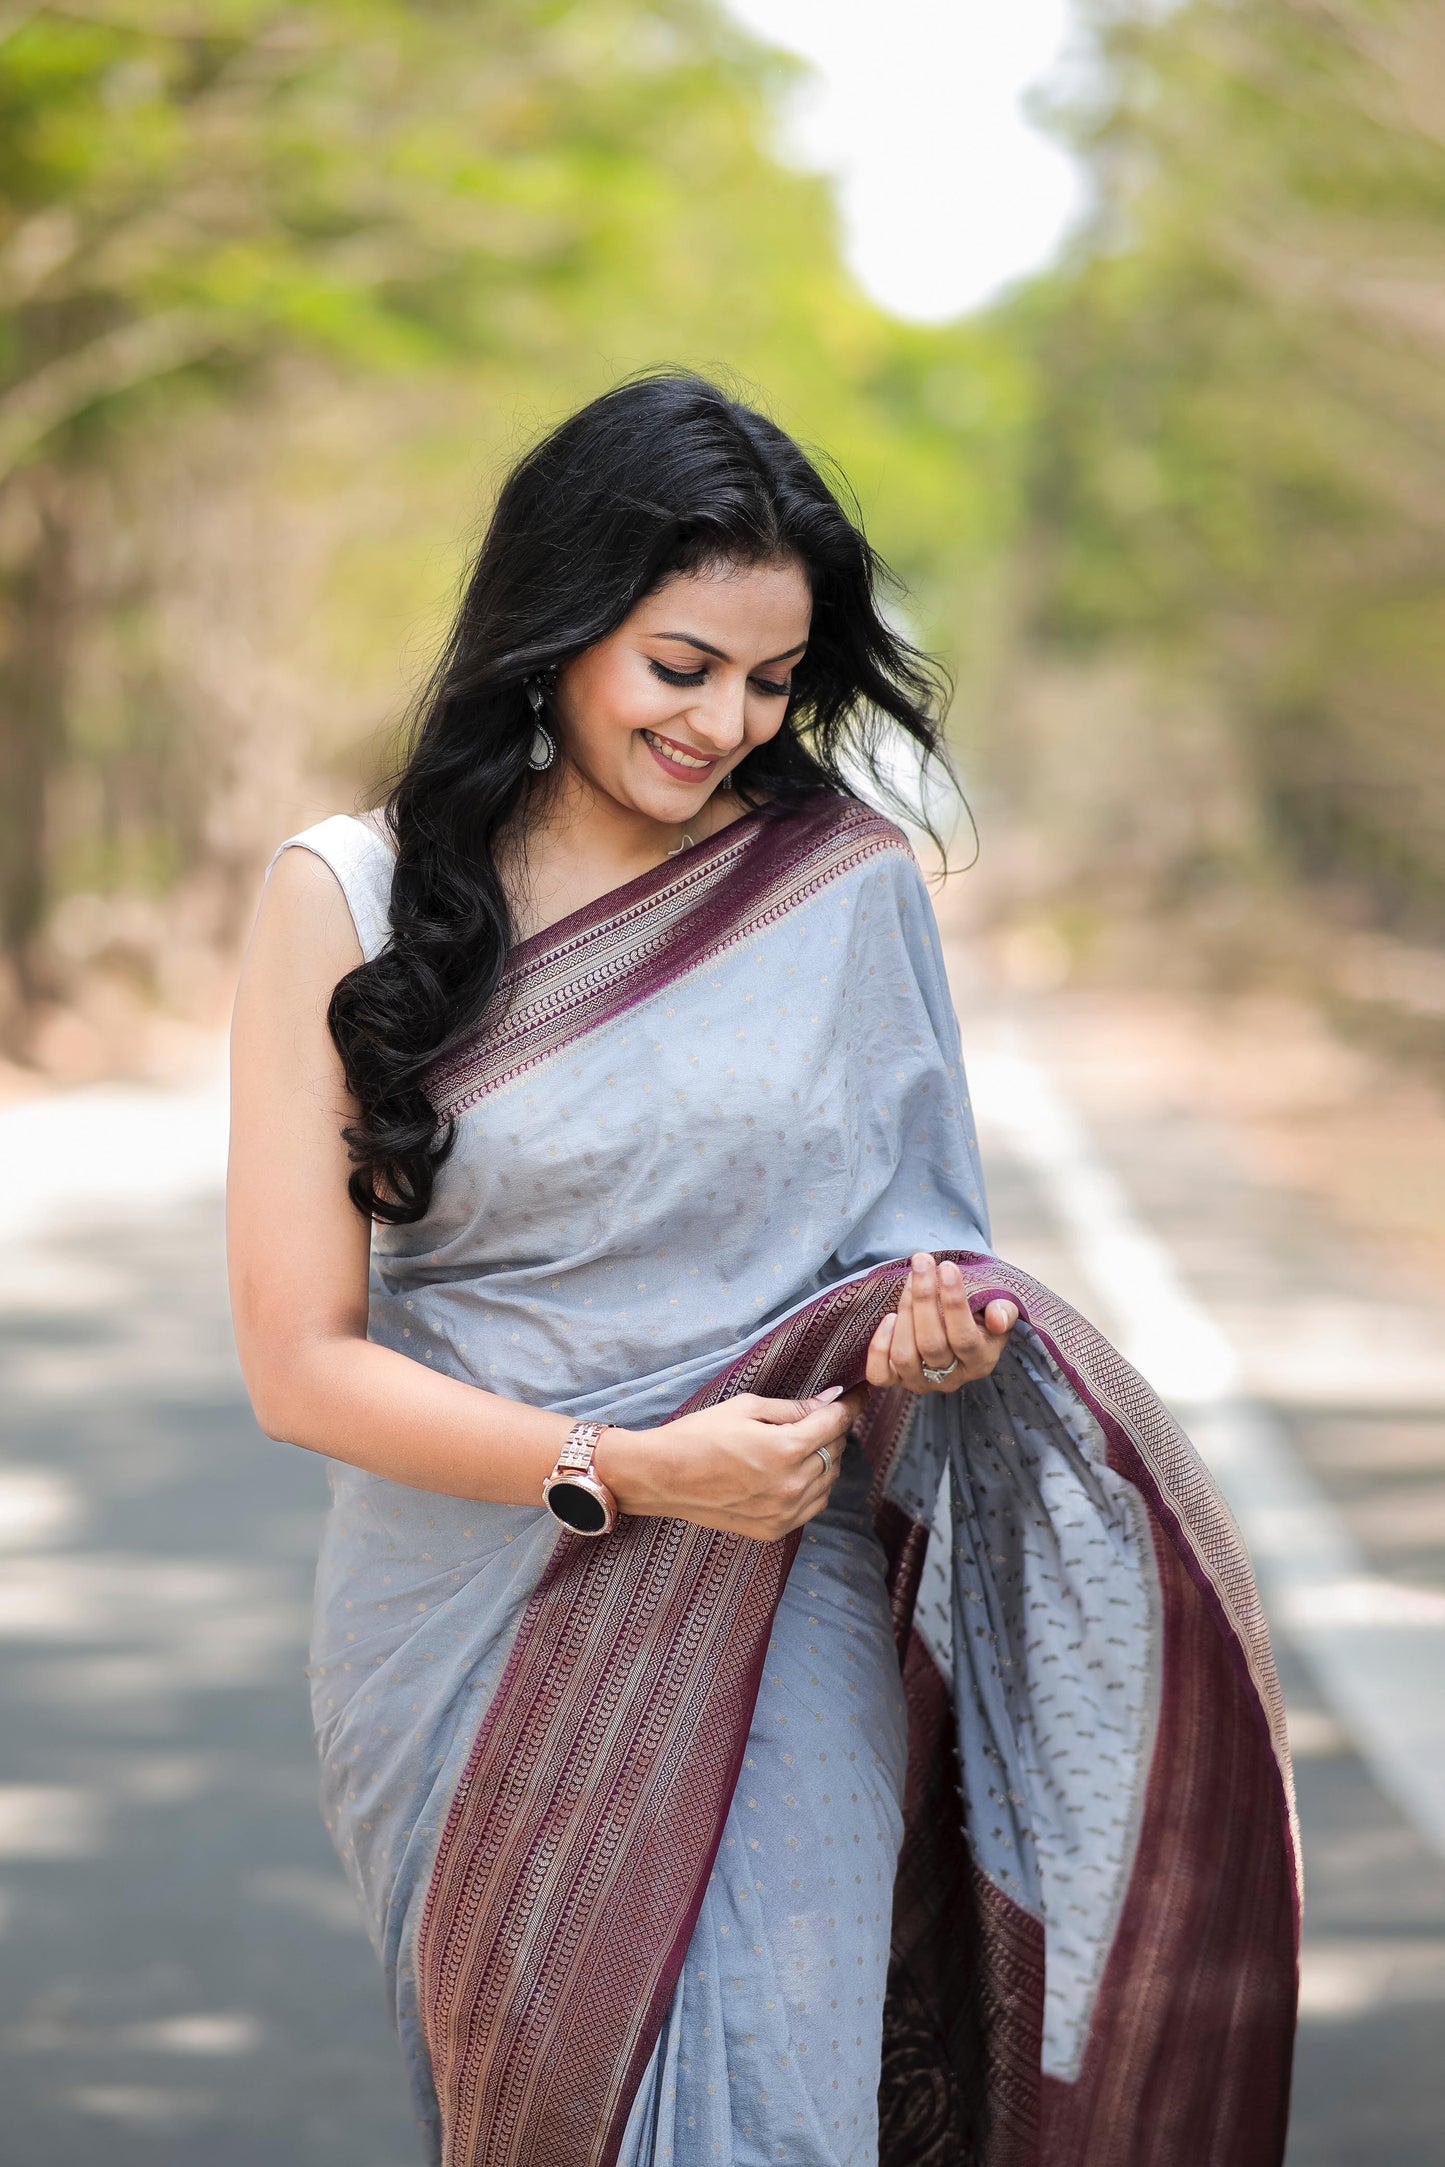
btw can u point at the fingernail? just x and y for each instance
(830, 1392)
(950, 1274)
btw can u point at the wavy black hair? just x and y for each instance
(665, 473)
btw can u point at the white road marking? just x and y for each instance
(1352, 1977)
(1375, 1646)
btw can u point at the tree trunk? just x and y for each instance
(37, 629)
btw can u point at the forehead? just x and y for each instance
(746, 601)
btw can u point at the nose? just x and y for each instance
(719, 718)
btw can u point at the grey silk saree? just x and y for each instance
(957, 1829)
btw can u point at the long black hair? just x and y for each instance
(665, 473)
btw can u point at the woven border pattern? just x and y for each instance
(559, 988)
(578, 1843)
(577, 1847)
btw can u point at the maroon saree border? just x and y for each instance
(577, 1847)
(618, 952)
(1189, 2043)
(574, 1855)
(1187, 2062)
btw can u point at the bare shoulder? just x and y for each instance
(304, 938)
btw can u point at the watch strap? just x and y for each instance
(574, 1492)
(580, 1449)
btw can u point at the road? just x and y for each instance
(182, 1975)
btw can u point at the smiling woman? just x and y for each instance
(656, 719)
(785, 1688)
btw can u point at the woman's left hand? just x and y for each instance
(934, 1325)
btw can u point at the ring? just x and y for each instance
(937, 1376)
(826, 1457)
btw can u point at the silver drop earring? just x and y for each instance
(543, 749)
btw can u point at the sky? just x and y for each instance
(948, 192)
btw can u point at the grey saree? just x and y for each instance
(956, 1830)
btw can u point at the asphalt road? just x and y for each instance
(182, 1975)
(182, 1972)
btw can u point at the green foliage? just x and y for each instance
(552, 188)
(1239, 462)
(304, 270)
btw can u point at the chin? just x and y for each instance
(666, 801)
(682, 807)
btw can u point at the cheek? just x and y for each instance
(601, 708)
(609, 697)
(763, 720)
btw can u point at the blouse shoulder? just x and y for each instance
(361, 858)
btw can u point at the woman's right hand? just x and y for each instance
(748, 1466)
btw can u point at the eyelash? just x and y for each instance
(696, 677)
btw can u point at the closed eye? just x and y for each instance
(698, 677)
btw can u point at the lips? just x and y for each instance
(677, 759)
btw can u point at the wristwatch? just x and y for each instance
(573, 1493)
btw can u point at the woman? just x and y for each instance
(785, 1688)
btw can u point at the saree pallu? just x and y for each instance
(958, 1829)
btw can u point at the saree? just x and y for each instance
(954, 1830)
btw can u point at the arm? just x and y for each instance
(299, 1256)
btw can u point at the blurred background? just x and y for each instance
(1126, 324)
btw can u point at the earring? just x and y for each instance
(727, 781)
(543, 749)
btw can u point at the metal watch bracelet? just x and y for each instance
(574, 1493)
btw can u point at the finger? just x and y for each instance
(847, 1408)
(813, 1486)
(879, 1369)
(965, 1334)
(763, 1410)
(760, 1407)
(814, 1469)
(1001, 1316)
(823, 1427)
(816, 1500)
(818, 1487)
(930, 1333)
(903, 1353)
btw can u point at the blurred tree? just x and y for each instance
(1239, 463)
(508, 201)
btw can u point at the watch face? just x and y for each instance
(577, 1508)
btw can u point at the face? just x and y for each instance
(692, 679)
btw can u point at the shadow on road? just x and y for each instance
(183, 1973)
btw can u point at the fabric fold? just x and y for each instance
(1089, 1990)
(704, 1126)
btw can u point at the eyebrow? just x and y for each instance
(707, 648)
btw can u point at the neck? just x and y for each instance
(582, 844)
(610, 834)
